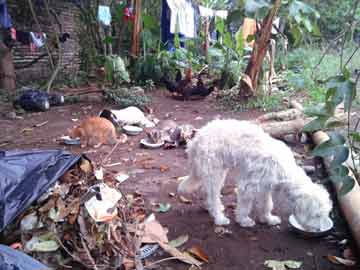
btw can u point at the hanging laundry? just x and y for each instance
(129, 14)
(104, 15)
(248, 29)
(182, 17)
(206, 12)
(38, 39)
(221, 13)
(5, 19)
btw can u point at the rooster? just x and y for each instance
(180, 84)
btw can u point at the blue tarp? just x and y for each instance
(26, 175)
(11, 259)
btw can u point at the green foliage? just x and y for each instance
(124, 97)
(115, 70)
(339, 89)
(304, 77)
(334, 15)
(227, 99)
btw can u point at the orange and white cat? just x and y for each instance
(96, 131)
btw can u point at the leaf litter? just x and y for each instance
(87, 220)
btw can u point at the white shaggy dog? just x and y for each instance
(265, 169)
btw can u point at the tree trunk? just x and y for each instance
(7, 69)
(206, 34)
(249, 83)
(135, 48)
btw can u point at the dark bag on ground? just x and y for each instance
(37, 100)
(11, 259)
(26, 175)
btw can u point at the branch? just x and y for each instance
(58, 66)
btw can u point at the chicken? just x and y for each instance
(180, 84)
(197, 90)
(170, 85)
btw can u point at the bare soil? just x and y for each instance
(241, 249)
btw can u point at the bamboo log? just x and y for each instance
(280, 129)
(286, 115)
(349, 203)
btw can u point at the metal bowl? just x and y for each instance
(132, 130)
(70, 141)
(310, 234)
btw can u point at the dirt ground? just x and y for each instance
(241, 249)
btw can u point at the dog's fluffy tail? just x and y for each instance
(189, 185)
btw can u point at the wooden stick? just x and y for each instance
(110, 153)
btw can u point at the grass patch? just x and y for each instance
(304, 78)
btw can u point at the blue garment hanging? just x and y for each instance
(5, 19)
(166, 36)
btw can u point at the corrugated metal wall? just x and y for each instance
(68, 16)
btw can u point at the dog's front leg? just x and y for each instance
(265, 206)
(244, 207)
(214, 203)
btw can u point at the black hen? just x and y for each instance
(170, 85)
(198, 90)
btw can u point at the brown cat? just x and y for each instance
(96, 131)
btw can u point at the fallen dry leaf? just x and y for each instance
(128, 264)
(182, 239)
(154, 232)
(164, 168)
(338, 260)
(24, 130)
(86, 166)
(198, 253)
(184, 200)
(179, 255)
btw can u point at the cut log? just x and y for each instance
(287, 115)
(280, 129)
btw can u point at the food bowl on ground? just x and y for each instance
(147, 144)
(70, 141)
(324, 231)
(132, 130)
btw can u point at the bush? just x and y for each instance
(125, 97)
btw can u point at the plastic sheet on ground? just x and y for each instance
(11, 259)
(26, 175)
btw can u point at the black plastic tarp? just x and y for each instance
(26, 175)
(11, 259)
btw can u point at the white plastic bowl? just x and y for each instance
(132, 130)
(147, 144)
(309, 234)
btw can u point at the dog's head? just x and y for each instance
(313, 209)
